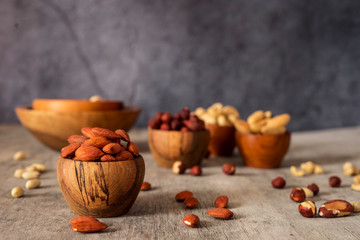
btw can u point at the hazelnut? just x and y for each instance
(154, 123)
(334, 181)
(185, 129)
(166, 117)
(158, 115)
(307, 209)
(185, 113)
(229, 168)
(313, 187)
(195, 171)
(165, 127)
(178, 167)
(335, 208)
(278, 182)
(297, 195)
(175, 124)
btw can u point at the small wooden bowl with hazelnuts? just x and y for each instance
(181, 137)
(100, 174)
(263, 140)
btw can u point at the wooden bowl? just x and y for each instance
(222, 140)
(170, 146)
(100, 189)
(75, 105)
(263, 151)
(53, 128)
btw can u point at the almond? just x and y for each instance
(77, 139)
(191, 202)
(69, 151)
(221, 213)
(181, 196)
(123, 135)
(124, 155)
(145, 186)
(98, 142)
(221, 202)
(88, 153)
(191, 220)
(112, 148)
(132, 147)
(82, 219)
(103, 132)
(87, 132)
(107, 158)
(89, 226)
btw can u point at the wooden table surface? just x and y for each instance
(260, 211)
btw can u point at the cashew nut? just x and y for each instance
(297, 173)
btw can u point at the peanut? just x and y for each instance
(30, 168)
(278, 121)
(355, 187)
(297, 173)
(17, 192)
(256, 117)
(95, 98)
(242, 127)
(33, 183)
(39, 167)
(30, 175)
(19, 155)
(18, 173)
(356, 179)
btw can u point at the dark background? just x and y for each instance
(300, 57)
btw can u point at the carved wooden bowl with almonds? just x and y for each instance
(100, 173)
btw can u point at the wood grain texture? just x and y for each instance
(170, 146)
(222, 140)
(260, 211)
(53, 128)
(100, 189)
(75, 105)
(263, 151)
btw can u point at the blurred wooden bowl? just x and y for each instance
(100, 189)
(170, 146)
(263, 151)
(75, 105)
(53, 128)
(222, 140)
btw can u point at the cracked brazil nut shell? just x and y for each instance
(307, 209)
(335, 208)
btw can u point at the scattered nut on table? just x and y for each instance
(314, 188)
(335, 208)
(18, 173)
(297, 195)
(334, 181)
(229, 168)
(350, 169)
(355, 187)
(308, 192)
(33, 183)
(17, 192)
(19, 155)
(191, 220)
(295, 172)
(278, 182)
(307, 209)
(178, 167)
(30, 175)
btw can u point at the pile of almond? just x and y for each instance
(261, 122)
(100, 144)
(218, 114)
(183, 121)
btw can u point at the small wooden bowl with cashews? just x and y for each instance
(220, 121)
(263, 140)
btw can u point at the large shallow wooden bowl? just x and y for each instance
(170, 146)
(53, 128)
(263, 151)
(75, 105)
(222, 140)
(100, 189)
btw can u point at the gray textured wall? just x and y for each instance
(301, 57)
